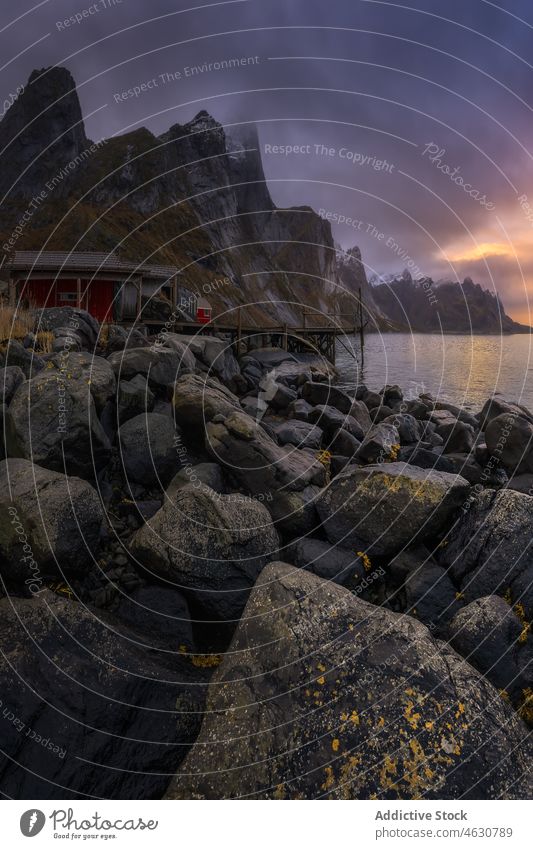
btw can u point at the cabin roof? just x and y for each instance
(59, 261)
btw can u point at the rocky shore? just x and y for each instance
(227, 577)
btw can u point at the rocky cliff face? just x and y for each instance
(41, 132)
(191, 197)
(426, 306)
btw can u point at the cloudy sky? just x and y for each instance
(412, 120)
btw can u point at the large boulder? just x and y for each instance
(52, 420)
(381, 443)
(49, 524)
(95, 372)
(204, 474)
(298, 433)
(509, 439)
(198, 399)
(489, 550)
(28, 361)
(256, 462)
(159, 365)
(359, 412)
(71, 319)
(331, 562)
(160, 616)
(133, 398)
(364, 704)
(148, 446)
(328, 395)
(389, 505)
(331, 420)
(215, 354)
(431, 596)
(10, 380)
(489, 634)
(458, 437)
(408, 427)
(210, 546)
(119, 338)
(88, 712)
(497, 405)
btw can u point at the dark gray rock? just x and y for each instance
(489, 550)
(101, 716)
(372, 400)
(49, 524)
(134, 397)
(380, 444)
(366, 704)
(299, 433)
(509, 438)
(28, 361)
(324, 394)
(159, 365)
(431, 597)
(160, 616)
(457, 436)
(327, 561)
(52, 420)
(212, 547)
(359, 412)
(407, 427)
(258, 464)
(282, 397)
(499, 406)
(389, 506)
(148, 450)
(489, 634)
(330, 420)
(426, 459)
(10, 380)
(392, 394)
(120, 339)
(379, 414)
(299, 409)
(202, 475)
(198, 400)
(344, 444)
(94, 372)
(72, 320)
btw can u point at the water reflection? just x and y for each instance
(460, 369)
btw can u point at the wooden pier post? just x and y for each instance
(361, 329)
(239, 331)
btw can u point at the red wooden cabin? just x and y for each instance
(107, 287)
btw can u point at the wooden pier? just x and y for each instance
(318, 333)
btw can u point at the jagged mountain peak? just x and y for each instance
(42, 131)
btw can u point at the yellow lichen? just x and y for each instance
(206, 661)
(367, 563)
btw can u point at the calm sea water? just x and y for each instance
(464, 370)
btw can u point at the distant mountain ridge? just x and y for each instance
(428, 306)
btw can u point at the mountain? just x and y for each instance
(352, 279)
(425, 306)
(191, 197)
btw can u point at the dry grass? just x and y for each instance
(104, 334)
(17, 323)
